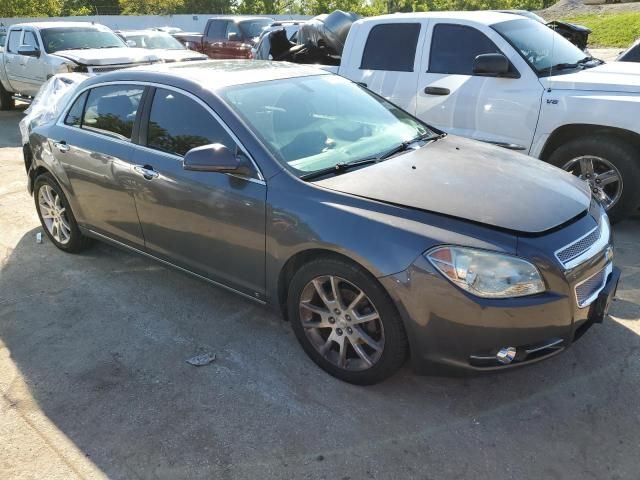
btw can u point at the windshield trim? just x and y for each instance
(547, 72)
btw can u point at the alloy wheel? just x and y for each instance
(342, 323)
(604, 179)
(54, 214)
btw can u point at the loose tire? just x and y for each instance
(6, 100)
(355, 335)
(56, 216)
(611, 166)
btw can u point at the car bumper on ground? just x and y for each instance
(453, 332)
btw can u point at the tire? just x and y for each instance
(319, 327)
(69, 239)
(606, 152)
(6, 100)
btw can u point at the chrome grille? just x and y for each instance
(578, 247)
(111, 68)
(585, 247)
(587, 291)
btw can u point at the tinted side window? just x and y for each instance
(232, 28)
(455, 47)
(30, 39)
(14, 40)
(74, 117)
(170, 132)
(217, 29)
(391, 46)
(112, 110)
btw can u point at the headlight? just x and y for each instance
(487, 274)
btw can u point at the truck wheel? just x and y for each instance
(6, 100)
(610, 166)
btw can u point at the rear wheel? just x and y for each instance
(346, 322)
(610, 166)
(56, 216)
(6, 99)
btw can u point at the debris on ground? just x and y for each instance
(201, 360)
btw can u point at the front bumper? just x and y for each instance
(453, 332)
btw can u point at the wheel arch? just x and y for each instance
(296, 261)
(572, 131)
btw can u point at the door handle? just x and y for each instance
(437, 91)
(146, 171)
(62, 146)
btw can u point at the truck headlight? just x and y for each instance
(487, 274)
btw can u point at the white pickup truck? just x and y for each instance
(34, 52)
(511, 81)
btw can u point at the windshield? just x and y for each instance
(253, 28)
(313, 123)
(72, 38)
(539, 45)
(155, 41)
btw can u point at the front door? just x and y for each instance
(210, 223)
(94, 150)
(12, 60)
(498, 110)
(33, 69)
(215, 38)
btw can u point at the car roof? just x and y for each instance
(486, 17)
(58, 24)
(213, 74)
(143, 32)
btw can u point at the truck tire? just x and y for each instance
(6, 100)
(610, 165)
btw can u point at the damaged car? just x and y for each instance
(299, 189)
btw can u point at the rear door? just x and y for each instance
(210, 223)
(11, 59)
(93, 145)
(215, 37)
(451, 97)
(385, 58)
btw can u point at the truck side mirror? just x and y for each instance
(28, 51)
(233, 37)
(493, 65)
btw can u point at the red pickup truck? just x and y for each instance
(226, 37)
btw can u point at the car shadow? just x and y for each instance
(101, 338)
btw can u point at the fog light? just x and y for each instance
(506, 355)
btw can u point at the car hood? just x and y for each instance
(622, 77)
(179, 55)
(472, 181)
(108, 56)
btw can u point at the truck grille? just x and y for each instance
(111, 68)
(586, 246)
(588, 290)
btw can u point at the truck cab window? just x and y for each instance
(391, 46)
(14, 41)
(455, 47)
(30, 39)
(233, 32)
(217, 29)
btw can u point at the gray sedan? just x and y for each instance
(378, 237)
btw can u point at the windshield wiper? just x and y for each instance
(337, 168)
(406, 144)
(344, 166)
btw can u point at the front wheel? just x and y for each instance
(346, 322)
(610, 166)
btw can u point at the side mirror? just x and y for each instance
(28, 51)
(131, 43)
(233, 37)
(493, 65)
(214, 158)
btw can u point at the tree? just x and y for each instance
(146, 7)
(30, 8)
(209, 6)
